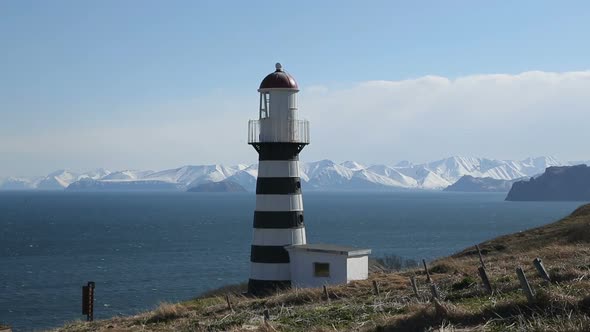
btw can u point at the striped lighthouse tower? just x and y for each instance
(278, 136)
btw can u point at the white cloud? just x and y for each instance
(502, 116)
(499, 116)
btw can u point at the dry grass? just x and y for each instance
(167, 312)
(563, 305)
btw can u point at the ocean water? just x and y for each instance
(145, 248)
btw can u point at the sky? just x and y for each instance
(161, 84)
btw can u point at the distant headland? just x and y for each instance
(566, 183)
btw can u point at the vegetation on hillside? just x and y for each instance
(560, 305)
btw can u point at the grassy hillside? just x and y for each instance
(563, 305)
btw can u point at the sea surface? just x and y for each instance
(142, 249)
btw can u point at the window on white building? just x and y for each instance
(321, 269)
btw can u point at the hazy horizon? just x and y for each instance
(85, 170)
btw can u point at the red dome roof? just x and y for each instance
(279, 80)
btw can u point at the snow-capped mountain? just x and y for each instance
(533, 166)
(193, 175)
(19, 183)
(57, 180)
(442, 173)
(96, 174)
(399, 179)
(325, 174)
(353, 165)
(245, 177)
(428, 179)
(54, 181)
(350, 175)
(126, 175)
(318, 175)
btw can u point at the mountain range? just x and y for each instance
(318, 175)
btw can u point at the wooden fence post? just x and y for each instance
(538, 263)
(480, 256)
(229, 306)
(434, 291)
(266, 315)
(485, 280)
(483, 273)
(415, 286)
(426, 270)
(433, 288)
(524, 284)
(376, 287)
(326, 293)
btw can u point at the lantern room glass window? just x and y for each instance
(264, 105)
(293, 101)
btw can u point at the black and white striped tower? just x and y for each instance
(278, 136)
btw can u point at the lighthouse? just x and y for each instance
(280, 256)
(278, 136)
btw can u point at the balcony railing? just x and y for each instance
(268, 131)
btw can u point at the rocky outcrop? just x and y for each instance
(565, 183)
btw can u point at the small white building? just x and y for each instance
(315, 265)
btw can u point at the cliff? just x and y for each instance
(565, 183)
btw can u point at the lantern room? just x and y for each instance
(278, 111)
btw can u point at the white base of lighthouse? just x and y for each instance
(278, 237)
(279, 203)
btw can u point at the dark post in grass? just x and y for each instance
(482, 272)
(376, 287)
(426, 271)
(480, 256)
(229, 306)
(484, 279)
(326, 293)
(541, 269)
(433, 288)
(415, 286)
(266, 315)
(434, 291)
(88, 301)
(524, 284)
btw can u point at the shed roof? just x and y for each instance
(331, 249)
